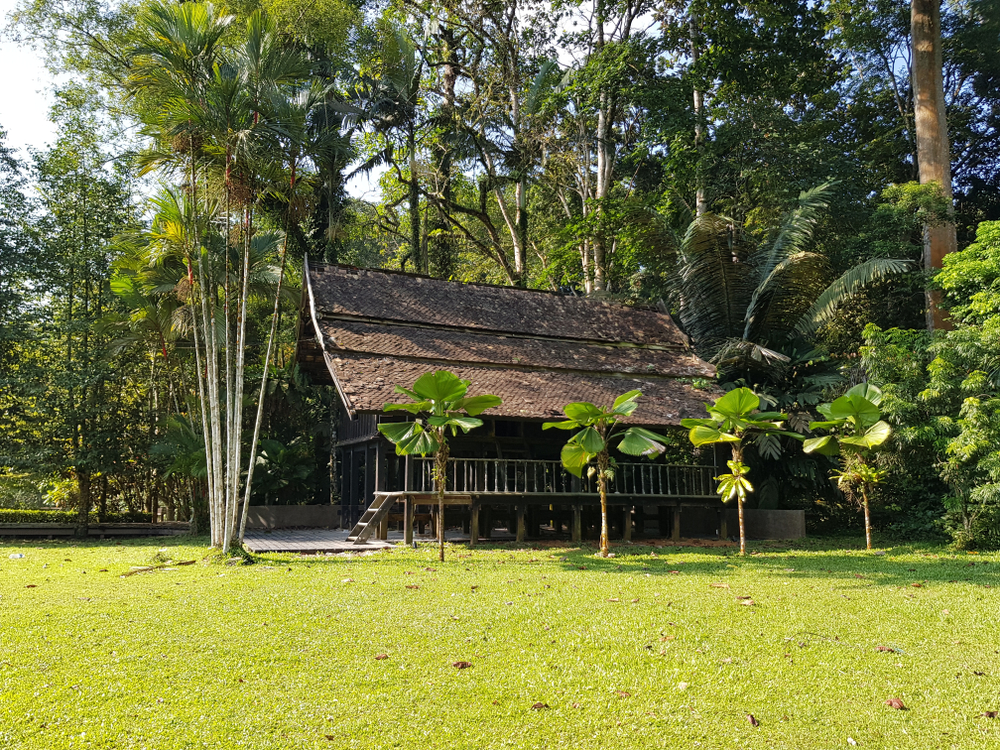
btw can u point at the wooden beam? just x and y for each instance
(675, 531)
(576, 530)
(408, 508)
(520, 522)
(473, 524)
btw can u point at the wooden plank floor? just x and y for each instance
(307, 540)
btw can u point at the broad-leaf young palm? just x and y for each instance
(742, 298)
(595, 427)
(439, 405)
(734, 419)
(856, 429)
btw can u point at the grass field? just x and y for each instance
(654, 648)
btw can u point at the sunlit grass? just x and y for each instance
(654, 648)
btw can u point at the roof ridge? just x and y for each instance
(506, 287)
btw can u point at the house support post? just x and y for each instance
(473, 523)
(408, 520)
(675, 531)
(627, 524)
(520, 523)
(576, 531)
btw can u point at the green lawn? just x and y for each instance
(655, 648)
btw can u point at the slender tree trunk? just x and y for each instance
(441, 480)
(701, 204)
(602, 486)
(738, 459)
(931, 125)
(415, 251)
(868, 519)
(263, 387)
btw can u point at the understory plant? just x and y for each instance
(595, 426)
(855, 429)
(735, 419)
(439, 405)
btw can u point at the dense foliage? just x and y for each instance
(749, 167)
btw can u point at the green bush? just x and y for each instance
(68, 517)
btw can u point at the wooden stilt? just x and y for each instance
(520, 523)
(675, 531)
(627, 524)
(576, 533)
(408, 521)
(473, 524)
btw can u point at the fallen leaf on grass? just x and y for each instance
(668, 637)
(103, 570)
(31, 586)
(412, 586)
(917, 585)
(624, 693)
(886, 650)
(330, 737)
(897, 704)
(990, 714)
(746, 601)
(540, 706)
(348, 580)
(380, 657)
(496, 703)
(462, 664)
(615, 599)
(753, 721)
(719, 585)
(979, 674)
(577, 705)
(431, 570)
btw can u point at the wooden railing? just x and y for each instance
(498, 476)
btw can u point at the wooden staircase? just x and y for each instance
(372, 517)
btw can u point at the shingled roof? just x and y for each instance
(368, 330)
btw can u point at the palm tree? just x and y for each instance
(742, 299)
(218, 120)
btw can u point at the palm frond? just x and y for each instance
(855, 279)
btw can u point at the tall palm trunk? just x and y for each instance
(263, 387)
(931, 125)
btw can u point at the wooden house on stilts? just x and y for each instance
(366, 331)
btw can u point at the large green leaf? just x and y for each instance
(859, 410)
(736, 404)
(575, 458)
(703, 435)
(583, 412)
(398, 431)
(637, 441)
(440, 386)
(626, 403)
(569, 424)
(590, 439)
(867, 391)
(874, 436)
(456, 421)
(423, 443)
(413, 408)
(475, 405)
(825, 445)
(705, 422)
(410, 438)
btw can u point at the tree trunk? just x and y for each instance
(701, 204)
(441, 479)
(931, 125)
(602, 486)
(868, 520)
